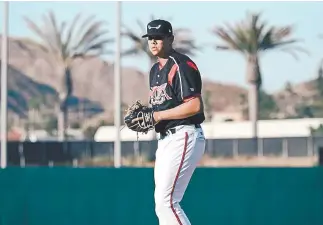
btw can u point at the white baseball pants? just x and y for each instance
(177, 157)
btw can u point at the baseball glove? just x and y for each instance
(139, 118)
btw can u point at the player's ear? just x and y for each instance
(171, 39)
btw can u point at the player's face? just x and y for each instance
(158, 45)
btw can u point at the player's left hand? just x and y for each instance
(139, 118)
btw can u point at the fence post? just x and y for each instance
(235, 148)
(210, 149)
(285, 148)
(136, 152)
(21, 155)
(136, 149)
(320, 156)
(75, 163)
(50, 163)
(261, 147)
(310, 148)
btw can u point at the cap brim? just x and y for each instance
(155, 35)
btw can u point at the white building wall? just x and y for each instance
(235, 129)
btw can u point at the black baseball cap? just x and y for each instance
(159, 28)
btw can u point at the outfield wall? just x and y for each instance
(107, 196)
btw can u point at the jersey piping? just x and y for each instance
(179, 73)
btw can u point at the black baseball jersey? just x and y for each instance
(172, 85)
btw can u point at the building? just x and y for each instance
(232, 129)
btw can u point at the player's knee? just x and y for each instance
(162, 209)
(162, 204)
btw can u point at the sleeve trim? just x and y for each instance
(192, 97)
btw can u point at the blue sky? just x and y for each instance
(200, 17)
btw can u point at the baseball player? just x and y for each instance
(175, 99)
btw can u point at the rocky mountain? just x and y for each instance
(94, 79)
(22, 88)
(295, 96)
(31, 75)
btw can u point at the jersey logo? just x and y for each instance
(158, 95)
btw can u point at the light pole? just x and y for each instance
(117, 89)
(4, 75)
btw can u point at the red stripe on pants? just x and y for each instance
(176, 178)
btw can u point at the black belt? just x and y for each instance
(164, 133)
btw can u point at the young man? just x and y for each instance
(175, 96)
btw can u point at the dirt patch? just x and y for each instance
(207, 161)
(260, 161)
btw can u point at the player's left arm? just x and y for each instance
(187, 83)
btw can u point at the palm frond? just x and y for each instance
(65, 42)
(70, 32)
(282, 32)
(56, 35)
(98, 47)
(290, 51)
(222, 47)
(88, 34)
(132, 36)
(226, 37)
(39, 32)
(252, 36)
(83, 26)
(300, 49)
(98, 41)
(284, 43)
(51, 30)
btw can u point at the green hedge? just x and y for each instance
(107, 196)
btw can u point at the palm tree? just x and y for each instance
(63, 44)
(252, 38)
(183, 42)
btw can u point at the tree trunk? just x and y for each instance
(65, 117)
(254, 79)
(64, 94)
(253, 108)
(60, 123)
(63, 124)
